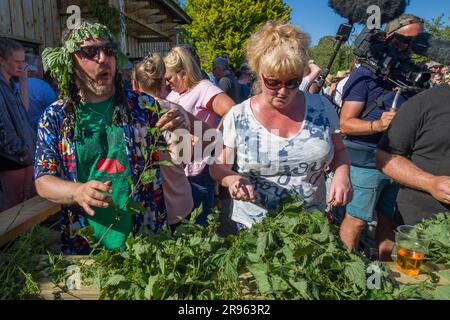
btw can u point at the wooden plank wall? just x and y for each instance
(31, 20)
(133, 48)
(139, 49)
(159, 47)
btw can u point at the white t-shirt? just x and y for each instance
(340, 90)
(276, 165)
(305, 83)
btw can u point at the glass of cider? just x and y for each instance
(411, 247)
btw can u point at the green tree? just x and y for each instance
(323, 51)
(226, 25)
(438, 27)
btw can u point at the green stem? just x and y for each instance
(101, 238)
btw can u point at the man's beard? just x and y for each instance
(89, 85)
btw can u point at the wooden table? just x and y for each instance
(400, 277)
(19, 219)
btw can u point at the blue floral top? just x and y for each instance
(55, 155)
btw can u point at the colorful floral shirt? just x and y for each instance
(55, 155)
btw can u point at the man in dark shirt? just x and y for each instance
(227, 81)
(17, 138)
(415, 151)
(373, 192)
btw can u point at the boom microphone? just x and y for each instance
(434, 48)
(356, 10)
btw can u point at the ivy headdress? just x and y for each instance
(59, 61)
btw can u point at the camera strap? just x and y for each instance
(377, 102)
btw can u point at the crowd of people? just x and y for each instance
(102, 149)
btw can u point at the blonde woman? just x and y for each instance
(207, 102)
(283, 138)
(148, 77)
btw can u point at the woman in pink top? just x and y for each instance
(148, 77)
(207, 102)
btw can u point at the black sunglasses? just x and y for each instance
(90, 52)
(274, 84)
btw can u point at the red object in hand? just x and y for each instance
(110, 166)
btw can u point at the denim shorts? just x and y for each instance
(372, 190)
(203, 187)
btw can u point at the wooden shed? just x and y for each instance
(145, 25)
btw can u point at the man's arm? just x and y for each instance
(314, 70)
(86, 194)
(407, 173)
(352, 125)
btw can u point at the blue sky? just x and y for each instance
(318, 20)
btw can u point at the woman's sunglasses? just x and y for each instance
(91, 52)
(274, 84)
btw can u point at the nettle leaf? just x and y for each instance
(260, 271)
(253, 257)
(355, 271)
(445, 274)
(278, 283)
(319, 217)
(149, 292)
(140, 250)
(154, 131)
(160, 259)
(138, 292)
(441, 293)
(288, 253)
(165, 163)
(231, 270)
(115, 280)
(88, 233)
(134, 207)
(195, 241)
(130, 181)
(148, 176)
(262, 243)
(301, 286)
(195, 213)
(323, 235)
(303, 250)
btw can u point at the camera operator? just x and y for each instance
(365, 115)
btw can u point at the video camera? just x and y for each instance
(387, 61)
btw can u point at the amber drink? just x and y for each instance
(411, 247)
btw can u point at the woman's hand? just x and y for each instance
(240, 188)
(341, 191)
(175, 118)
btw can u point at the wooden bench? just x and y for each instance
(51, 291)
(19, 219)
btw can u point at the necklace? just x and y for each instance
(102, 115)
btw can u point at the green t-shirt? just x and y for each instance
(101, 155)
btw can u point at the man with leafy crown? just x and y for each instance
(97, 147)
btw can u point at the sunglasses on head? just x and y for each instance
(275, 84)
(90, 52)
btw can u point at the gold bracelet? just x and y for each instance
(371, 126)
